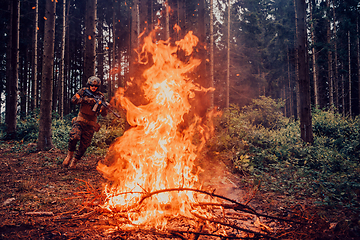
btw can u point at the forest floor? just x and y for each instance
(39, 199)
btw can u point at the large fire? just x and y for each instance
(157, 154)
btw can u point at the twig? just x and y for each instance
(236, 208)
(232, 226)
(253, 194)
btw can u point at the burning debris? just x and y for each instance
(153, 184)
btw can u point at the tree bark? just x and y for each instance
(62, 63)
(134, 41)
(67, 85)
(297, 91)
(349, 75)
(167, 20)
(330, 71)
(304, 80)
(90, 37)
(45, 132)
(358, 57)
(12, 70)
(212, 104)
(290, 92)
(335, 74)
(314, 58)
(34, 75)
(228, 59)
(100, 52)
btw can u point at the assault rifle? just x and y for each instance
(100, 101)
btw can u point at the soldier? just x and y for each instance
(85, 124)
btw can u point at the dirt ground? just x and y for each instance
(39, 199)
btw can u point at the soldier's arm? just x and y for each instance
(77, 98)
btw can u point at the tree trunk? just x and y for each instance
(314, 64)
(290, 92)
(34, 75)
(343, 92)
(62, 63)
(112, 76)
(330, 72)
(349, 75)
(304, 80)
(12, 70)
(297, 92)
(228, 59)
(212, 104)
(167, 20)
(100, 53)
(45, 133)
(134, 41)
(335, 74)
(90, 37)
(358, 57)
(67, 85)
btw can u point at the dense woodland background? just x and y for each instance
(248, 49)
(286, 77)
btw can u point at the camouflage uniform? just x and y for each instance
(84, 125)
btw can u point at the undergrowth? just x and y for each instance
(265, 146)
(27, 131)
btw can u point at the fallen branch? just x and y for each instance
(232, 226)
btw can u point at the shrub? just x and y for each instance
(262, 143)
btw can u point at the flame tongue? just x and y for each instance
(155, 153)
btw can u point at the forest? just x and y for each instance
(280, 80)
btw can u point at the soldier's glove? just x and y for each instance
(88, 100)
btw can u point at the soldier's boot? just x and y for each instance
(68, 159)
(73, 163)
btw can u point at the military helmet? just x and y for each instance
(94, 81)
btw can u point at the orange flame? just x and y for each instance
(156, 153)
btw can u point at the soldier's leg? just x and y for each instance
(85, 141)
(75, 134)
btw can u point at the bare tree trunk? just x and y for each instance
(335, 75)
(62, 63)
(12, 70)
(67, 85)
(290, 92)
(100, 53)
(45, 132)
(228, 59)
(358, 56)
(297, 91)
(349, 75)
(304, 81)
(134, 41)
(113, 58)
(34, 77)
(167, 20)
(90, 37)
(343, 94)
(330, 72)
(314, 64)
(212, 53)
(110, 62)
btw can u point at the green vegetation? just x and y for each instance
(27, 132)
(265, 146)
(262, 145)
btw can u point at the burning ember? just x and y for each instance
(151, 170)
